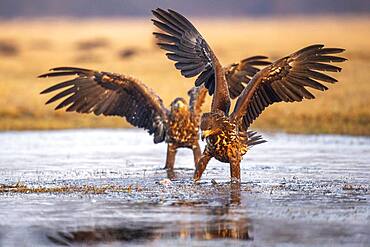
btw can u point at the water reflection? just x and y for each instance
(202, 222)
(91, 235)
(235, 192)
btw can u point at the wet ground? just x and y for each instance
(297, 190)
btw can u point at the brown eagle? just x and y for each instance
(285, 80)
(113, 94)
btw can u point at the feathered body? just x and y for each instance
(225, 140)
(183, 128)
(227, 145)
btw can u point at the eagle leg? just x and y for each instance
(196, 152)
(201, 165)
(235, 170)
(171, 153)
(171, 174)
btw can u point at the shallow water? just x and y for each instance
(297, 190)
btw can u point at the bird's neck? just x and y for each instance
(221, 99)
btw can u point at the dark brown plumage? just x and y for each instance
(120, 95)
(287, 79)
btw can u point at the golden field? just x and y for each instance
(30, 47)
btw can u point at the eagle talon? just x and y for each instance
(196, 181)
(196, 177)
(235, 180)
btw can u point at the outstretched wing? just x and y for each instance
(111, 95)
(197, 97)
(192, 54)
(287, 80)
(237, 74)
(186, 45)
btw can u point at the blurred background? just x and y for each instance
(115, 35)
(231, 8)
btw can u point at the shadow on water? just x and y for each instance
(220, 223)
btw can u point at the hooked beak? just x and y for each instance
(206, 133)
(180, 105)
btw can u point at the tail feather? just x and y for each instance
(254, 138)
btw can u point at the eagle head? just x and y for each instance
(178, 104)
(212, 123)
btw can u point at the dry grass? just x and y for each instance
(44, 44)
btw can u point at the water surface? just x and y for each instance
(297, 190)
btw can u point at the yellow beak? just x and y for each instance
(206, 133)
(180, 105)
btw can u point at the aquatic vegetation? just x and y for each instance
(86, 189)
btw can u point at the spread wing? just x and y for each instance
(288, 80)
(197, 97)
(184, 43)
(237, 74)
(111, 95)
(190, 51)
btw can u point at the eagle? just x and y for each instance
(111, 94)
(226, 132)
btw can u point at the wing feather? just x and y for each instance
(182, 40)
(288, 80)
(111, 95)
(193, 56)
